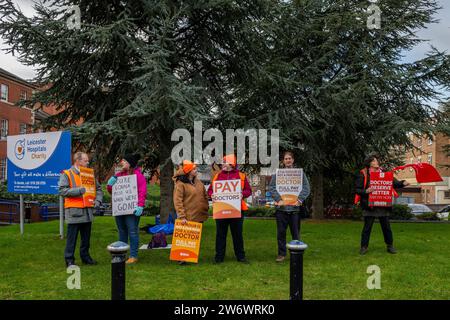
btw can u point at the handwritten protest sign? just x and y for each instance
(289, 183)
(226, 199)
(186, 241)
(88, 182)
(382, 184)
(124, 195)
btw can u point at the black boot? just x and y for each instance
(363, 250)
(89, 261)
(391, 249)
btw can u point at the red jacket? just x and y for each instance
(232, 175)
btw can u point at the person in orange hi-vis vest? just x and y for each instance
(230, 172)
(78, 217)
(363, 190)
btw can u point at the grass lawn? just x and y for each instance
(32, 266)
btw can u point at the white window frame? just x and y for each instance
(23, 94)
(3, 171)
(23, 126)
(4, 128)
(4, 92)
(430, 158)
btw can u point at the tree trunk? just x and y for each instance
(166, 183)
(317, 193)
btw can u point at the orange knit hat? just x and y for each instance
(188, 166)
(231, 159)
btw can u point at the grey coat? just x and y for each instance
(77, 215)
(302, 195)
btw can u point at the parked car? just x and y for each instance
(443, 213)
(417, 209)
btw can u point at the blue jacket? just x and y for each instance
(302, 195)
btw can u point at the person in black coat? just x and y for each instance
(362, 191)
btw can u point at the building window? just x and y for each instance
(430, 141)
(4, 92)
(3, 129)
(23, 128)
(2, 169)
(23, 95)
(430, 158)
(447, 194)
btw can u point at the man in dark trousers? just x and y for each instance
(78, 217)
(287, 215)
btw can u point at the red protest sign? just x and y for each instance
(382, 184)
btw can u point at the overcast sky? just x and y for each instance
(437, 34)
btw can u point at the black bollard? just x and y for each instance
(118, 252)
(296, 248)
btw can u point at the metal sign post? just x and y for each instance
(21, 212)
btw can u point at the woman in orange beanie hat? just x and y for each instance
(189, 195)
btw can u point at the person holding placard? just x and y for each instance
(189, 195)
(375, 209)
(128, 222)
(79, 213)
(288, 203)
(230, 172)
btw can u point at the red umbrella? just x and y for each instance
(425, 172)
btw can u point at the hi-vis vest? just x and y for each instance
(242, 176)
(74, 182)
(364, 173)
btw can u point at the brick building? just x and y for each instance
(432, 152)
(16, 120)
(13, 119)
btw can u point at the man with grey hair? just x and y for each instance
(78, 217)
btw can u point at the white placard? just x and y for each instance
(124, 195)
(289, 183)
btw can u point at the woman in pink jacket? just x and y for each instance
(128, 225)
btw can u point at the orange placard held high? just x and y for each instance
(186, 241)
(88, 182)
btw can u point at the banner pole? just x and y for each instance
(21, 213)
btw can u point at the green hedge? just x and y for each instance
(401, 212)
(430, 216)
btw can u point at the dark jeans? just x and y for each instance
(235, 225)
(385, 227)
(128, 226)
(283, 220)
(71, 242)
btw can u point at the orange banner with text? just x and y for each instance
(88, 182)
(186, 241)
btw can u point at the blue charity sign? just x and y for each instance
(35, 161)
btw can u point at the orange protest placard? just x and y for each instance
(226, 199)
(186, 241)
(88, 182)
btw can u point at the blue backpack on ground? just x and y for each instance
(166, 228)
